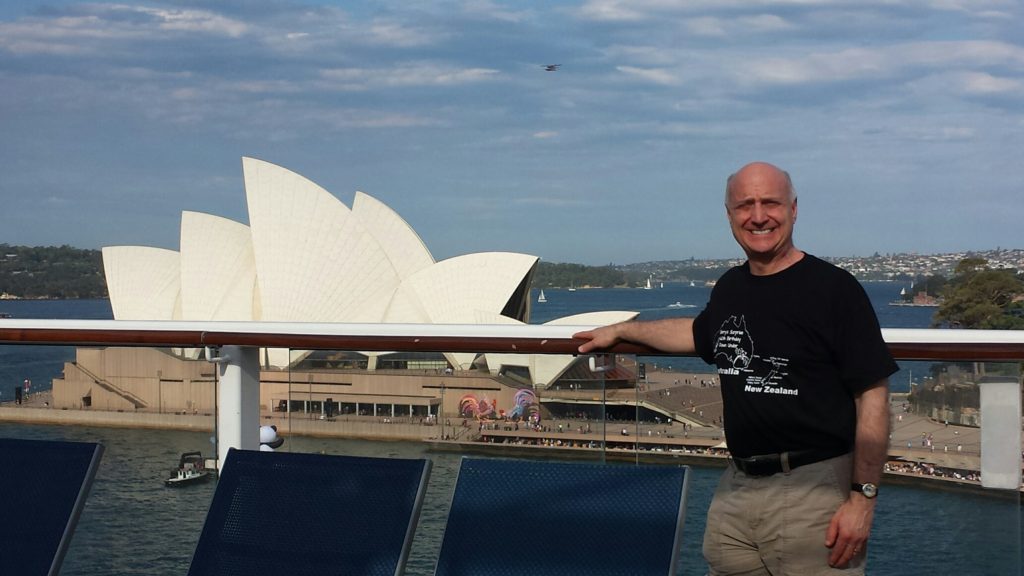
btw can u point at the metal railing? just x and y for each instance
(237, 343)
(108, 385)
(905, 343)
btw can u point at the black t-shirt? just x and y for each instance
(792, 350)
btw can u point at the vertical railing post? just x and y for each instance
(238, 416)
(1000, 434)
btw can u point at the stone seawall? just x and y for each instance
(367, 428)
(30, 415)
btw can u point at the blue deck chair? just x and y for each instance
(516, 517)
(44, 485)
(278, 513)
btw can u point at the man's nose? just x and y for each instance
(758, 214)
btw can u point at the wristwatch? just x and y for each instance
(868, 489)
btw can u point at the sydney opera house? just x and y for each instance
(306, 257)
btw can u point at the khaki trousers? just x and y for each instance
(776, 525)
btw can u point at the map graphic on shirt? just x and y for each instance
(734, 355)
(734, 344)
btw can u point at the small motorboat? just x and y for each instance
(191, 470)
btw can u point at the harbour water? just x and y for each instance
(132, 524)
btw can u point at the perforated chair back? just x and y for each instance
(516, 517)
(44, 485)
(277, 513)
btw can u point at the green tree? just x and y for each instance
(51, 272)
(577, 275)
(978, 297)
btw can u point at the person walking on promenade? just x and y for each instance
(804, 376)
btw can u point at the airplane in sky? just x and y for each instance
(551, 67)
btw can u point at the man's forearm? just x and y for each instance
(668, 335)
(871, 446)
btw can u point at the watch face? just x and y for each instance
(869, 490)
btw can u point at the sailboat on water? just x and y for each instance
(542, 298)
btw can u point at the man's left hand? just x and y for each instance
(847, 534)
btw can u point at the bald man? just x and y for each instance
(804, 378)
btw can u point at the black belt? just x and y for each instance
(768, 464)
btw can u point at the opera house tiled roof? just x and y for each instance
(306, 257)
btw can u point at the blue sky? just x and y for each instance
(902, 122)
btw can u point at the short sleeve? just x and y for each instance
(702, 338)
(862, 354)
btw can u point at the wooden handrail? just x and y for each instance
(905, 344)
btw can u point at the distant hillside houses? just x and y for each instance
(895, 266)
(876, 267)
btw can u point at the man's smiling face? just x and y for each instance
(762, 210)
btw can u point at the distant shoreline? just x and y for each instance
(894, 267)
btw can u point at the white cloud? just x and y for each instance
(393, 33)
(374, 119)
(139, 73)
(545, 134)
(764, 23)
(935, 133)
(190, 20)
(655, 75)
(648, 55)
(716, 26)
(403, 75)
(876, 62)
(632, 10)
(706, 26)
(822, 67)
(94, 26)
(964, 52)
(491, 10)
(610, 10)
(549, 201)
(56, 200)
(59, 36)
(969, 84)
(982, 83)
(261, 86)
(185, 94)
(647, 10)
(982, 8)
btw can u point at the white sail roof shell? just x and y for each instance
(403, 247)
(452, 291)
(315, 261)
(143, 282)
(218, 269)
